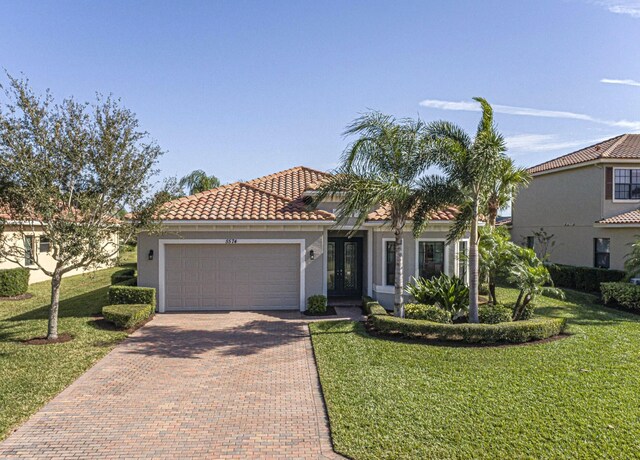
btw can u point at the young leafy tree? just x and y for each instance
(385, 166)
(198, 181)
(68, 170)
(497, 253)
(472, 164)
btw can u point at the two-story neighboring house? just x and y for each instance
(588, 200)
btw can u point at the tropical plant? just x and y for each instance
(471, 166)
(509, 179)
(447, 292)
(386, 167)
(69, 169)
(632, 262)
(530, 276)
(198, 181)
(497, 253)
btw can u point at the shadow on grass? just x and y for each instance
(80, 306)
(242, 340)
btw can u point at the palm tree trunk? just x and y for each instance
(398, 305)
(473, 268)
(492, 215)
(56, 281)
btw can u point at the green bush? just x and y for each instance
(128, 315)
(14, 281)
(621, 294)
(512, 332)
(584, 279)
(129, 282)
(119, 295)
(448, 292)
(494, 314)
(427, 312)
(317, 304)
(371, 307)
(123, 275)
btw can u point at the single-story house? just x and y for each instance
(258, 245)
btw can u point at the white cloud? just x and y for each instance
(529, 112)
(531, 143)
(614, 81)
(626, 7)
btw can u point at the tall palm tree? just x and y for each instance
(508, 181)
(385, 166)
(198, 181)
(471, 164)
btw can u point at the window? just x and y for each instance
(430, 258)
(462, 259)
(28, 250)
(44, 244)
(390, 263)
(601, 252)
(626, 184)
(530, 242)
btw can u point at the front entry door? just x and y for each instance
(344, 266)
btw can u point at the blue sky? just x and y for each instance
(243, 88)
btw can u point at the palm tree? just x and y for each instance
(472, 165)
(198, 181)
(508, 181)
(385, 167)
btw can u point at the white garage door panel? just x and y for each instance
(241, 276)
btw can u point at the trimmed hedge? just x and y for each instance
(129, 282)
(120, 295)
(584, 279)
(14, 281)
(123, 275)
(317, 304)
(426, 312)
(371, 307)
(621, 294)
(128, 315)
(494, 314)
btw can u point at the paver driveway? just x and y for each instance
(209, 385)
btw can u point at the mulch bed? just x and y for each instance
(18, 297)
(458, 343)
(331, 311)
(109, 326)
(62, 338)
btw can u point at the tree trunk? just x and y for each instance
(492, 289)
(492, 215)
(398, 304)
(56, 281)
(473, 268)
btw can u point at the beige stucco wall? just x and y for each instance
(567, 204)
(45, 259)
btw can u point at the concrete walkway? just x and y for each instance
(195, 385)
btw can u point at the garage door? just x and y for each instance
(232, 276)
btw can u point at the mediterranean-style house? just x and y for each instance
(258, 245)
(588, 200)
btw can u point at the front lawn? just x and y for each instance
(30, 375)
(577, 397)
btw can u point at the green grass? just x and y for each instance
(30, 375)
(577, 397)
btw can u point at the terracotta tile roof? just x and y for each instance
(625, 146)
(382, 213)
(630, 217)
(277, 196)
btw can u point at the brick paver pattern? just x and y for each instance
(208, 385)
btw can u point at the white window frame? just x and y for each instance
(384, 288)
(613, 187)
(162, 243)
(456, 268)
(431, 240)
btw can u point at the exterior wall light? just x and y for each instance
(312, 255)
(150, 254)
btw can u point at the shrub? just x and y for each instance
(317, 304)
(14, 281)
(374, 308)
(427, 312)
(132, 295)
(129, 282)
(122, 275)
(511, 332)
(585, 279)
(621, 294)
(449, 293)
(128, 315)
(494, 314)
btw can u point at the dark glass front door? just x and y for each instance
(344, 266)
